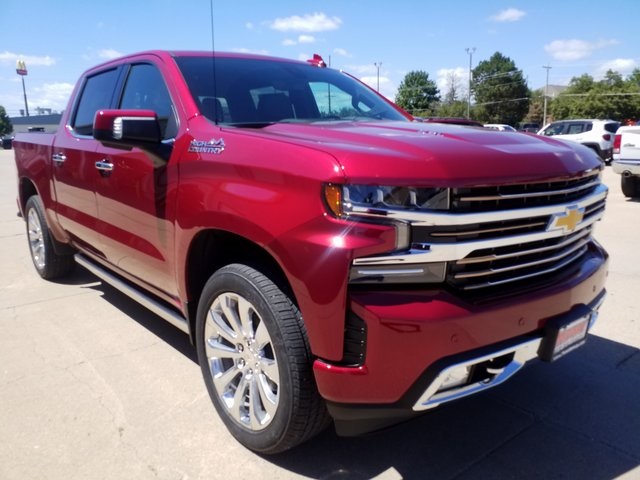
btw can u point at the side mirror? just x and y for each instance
(127, 128)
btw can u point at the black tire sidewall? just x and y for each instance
(231, 279)
(55, 265)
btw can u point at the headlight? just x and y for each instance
(384, 204)
(344, 200)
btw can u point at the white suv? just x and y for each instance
(595, 134)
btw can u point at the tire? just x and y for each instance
(256, 361)
(630, 186)
(48, 263)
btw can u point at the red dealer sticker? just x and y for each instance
(564, 335)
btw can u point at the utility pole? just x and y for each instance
(21, 69)
(546, 94)
(378, 65)
(470, 51)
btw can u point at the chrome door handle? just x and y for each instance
(59, 158)
(104, 165)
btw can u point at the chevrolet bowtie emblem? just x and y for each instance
(567, 220)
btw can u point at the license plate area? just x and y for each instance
(565, 334)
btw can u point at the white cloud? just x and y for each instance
(30, 60)
(315, 22)
(364, 70)
(287, 42)
(306, 39)
(109, 53)
(50, 95)
(341, 52)
(249, 25)
(624, 66)
(508, 15)
(249, 50)
(373, 80)
(573, 49)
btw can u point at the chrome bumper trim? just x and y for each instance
(523, 352)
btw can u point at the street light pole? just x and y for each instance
(470, 51)
(546, 94)
(378, 65)
(21, 69)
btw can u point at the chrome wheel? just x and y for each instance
(36, 239)
(242, 361)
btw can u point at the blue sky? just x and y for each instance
(59, 39)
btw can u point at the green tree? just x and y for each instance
(535, 113)
(612, 97)
(501, 92)
(417, 94)
(457, 108)
(5, 123)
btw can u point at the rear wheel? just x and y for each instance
(49, 264)
(630, 186)
(256, 361)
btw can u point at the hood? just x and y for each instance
(412, 153)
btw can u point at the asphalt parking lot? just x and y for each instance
(93, 386)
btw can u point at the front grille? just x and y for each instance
(528, 195)
(421, 234)
(516, 263)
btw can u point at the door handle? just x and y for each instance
(59, 159)
(104, 165)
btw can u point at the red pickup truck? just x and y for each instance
(329, 257)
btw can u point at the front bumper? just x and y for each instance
(414, 337)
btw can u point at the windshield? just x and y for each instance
(256, 92)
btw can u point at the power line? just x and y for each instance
(504, 101)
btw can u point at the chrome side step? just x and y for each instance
(167, 314)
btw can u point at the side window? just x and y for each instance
(554, 129)
(96, 95)
(145, 90)
(575, 128)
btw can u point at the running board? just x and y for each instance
(146, 301)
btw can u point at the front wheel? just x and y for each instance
(256, 361)
(49, 264)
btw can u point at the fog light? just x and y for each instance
(398, 273)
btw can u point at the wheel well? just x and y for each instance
(27, 189)
(212, 250)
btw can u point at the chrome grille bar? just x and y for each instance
(497, 257)
(550, 270)
(520, 266)
(548, 193)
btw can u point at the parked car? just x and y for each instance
(595, 134)
(529, 127)
(7, 142)
(500, 126)
(626, 159)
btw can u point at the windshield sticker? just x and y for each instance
(212, 146)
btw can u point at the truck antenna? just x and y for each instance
(213, 64)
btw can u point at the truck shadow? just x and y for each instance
(578, 418)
